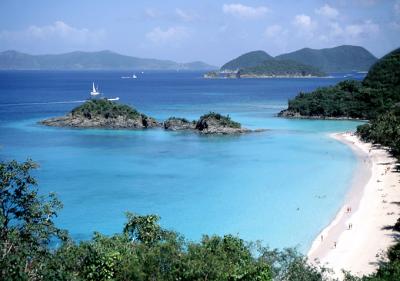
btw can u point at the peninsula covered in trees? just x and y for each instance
(376, 94)
(376, 98)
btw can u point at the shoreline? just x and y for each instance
(372, 195)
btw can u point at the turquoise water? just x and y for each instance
(281, 186)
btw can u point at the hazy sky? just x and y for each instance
(211, 30)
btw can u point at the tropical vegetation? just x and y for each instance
(337, 59)
(375, 95)
(32, 247)
(105, 109)
(259, 63)
(222, 120)
(376, 98)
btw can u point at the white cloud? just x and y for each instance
(336, 29)
(365, 29)
(59, 31)
(185, 15)
(351, 33)
(242, 11)
(273, 31)
(304, 22)
(174, 34)
(327, 11)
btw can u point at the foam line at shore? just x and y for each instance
(358, 236)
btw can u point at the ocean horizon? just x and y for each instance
(261, 186)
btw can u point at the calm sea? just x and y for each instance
(281, 186)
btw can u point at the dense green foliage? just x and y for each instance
(106, 109)
(337, 59)
(384, 130)
(385, 74)
(92, 60)
(246, 60)
(222, 120)
(26, 223)
(143, 251)
(346, 99)
(259, 63)
(173, 118)
(377, 94)
(376, 98)
(281, 67)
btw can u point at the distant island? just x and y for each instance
(103, 113)
(258, 64)
(343, 58)
(302, 63)
(102, 60)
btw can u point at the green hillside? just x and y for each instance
(281, 68)
(260, 64)
(337, 59)
(379, 91)
(246, 60)
(92, 60)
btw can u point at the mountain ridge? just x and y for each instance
(99, 60)
(336, 59)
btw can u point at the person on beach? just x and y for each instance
(322, 238)
(334, 245)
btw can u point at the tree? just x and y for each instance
(143, 228)
(26, 222)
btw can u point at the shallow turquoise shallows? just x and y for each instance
(281, 186)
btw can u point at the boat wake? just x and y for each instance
(42, 103)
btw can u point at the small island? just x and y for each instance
(106, 114)
(211, 123)
(259, 64)
(102, 113)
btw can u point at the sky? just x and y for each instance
(212, 31)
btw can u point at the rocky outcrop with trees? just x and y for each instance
(106, 114)
(103, 113)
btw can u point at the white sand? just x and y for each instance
(372, 198)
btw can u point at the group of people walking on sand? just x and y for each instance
(350, 226)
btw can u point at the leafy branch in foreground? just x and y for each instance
(26, 222)
(143, 251)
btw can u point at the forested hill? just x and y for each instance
(258, 64)
(103, 60)
(250, 59)
(338, 59)
(379, 92)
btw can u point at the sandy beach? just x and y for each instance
(358, 236)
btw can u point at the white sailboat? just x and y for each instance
(94, 93)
